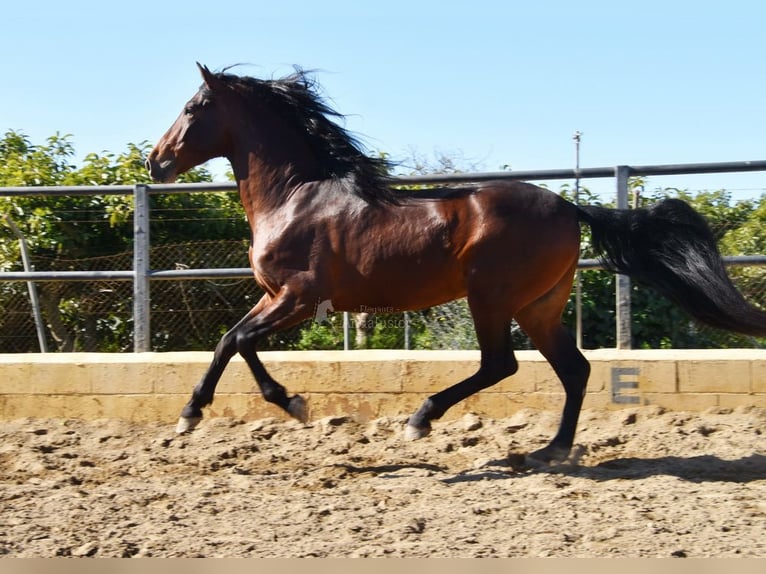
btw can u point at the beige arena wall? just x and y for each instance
(153, 387)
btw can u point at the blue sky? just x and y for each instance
(492, 82)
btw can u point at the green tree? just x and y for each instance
(66, 232)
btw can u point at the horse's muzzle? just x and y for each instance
(161, 171)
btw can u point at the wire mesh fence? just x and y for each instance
(193, 314)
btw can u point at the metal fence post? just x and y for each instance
(346, 331)
(141, 307)
(622, 289)
(31, 287)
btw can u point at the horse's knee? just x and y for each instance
(227, 346)
(244, 342)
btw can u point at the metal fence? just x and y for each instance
(137, 282)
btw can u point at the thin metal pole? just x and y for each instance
(622, 288)
(406, 330)
(141, 269)
(346, 329)
(578, 275)
(31, 287)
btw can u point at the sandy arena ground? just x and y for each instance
(645, 483)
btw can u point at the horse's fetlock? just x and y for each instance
(191, 412)
(274, 394)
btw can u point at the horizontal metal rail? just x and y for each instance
(166, 274)
(413, 180)
(247, 273)
(729, 260)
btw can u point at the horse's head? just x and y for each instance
(272, 131)
(199, 133)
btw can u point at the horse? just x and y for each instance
(327, 225)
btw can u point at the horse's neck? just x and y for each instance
(264, 186)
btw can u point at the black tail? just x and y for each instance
(670, 247)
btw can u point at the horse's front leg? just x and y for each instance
(269, 314)
(203, 393)
(287, 308)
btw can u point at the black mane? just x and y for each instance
(296, 98)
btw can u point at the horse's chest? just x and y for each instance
(277, 251)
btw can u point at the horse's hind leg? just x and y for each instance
(541, 320)
(497, 362)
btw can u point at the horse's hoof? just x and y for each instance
(298, 408)
(187, 424)
(414, 433)
(549, 455)
(517, 461)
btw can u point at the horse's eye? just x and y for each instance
(193, 108)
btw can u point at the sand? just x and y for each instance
(643, 483)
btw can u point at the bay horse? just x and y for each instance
(327, 225)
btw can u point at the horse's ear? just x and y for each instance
(207, 76)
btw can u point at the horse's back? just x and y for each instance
(508, 200)
(512, 200)
(525, 238)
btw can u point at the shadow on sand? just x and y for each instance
(697, 469)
